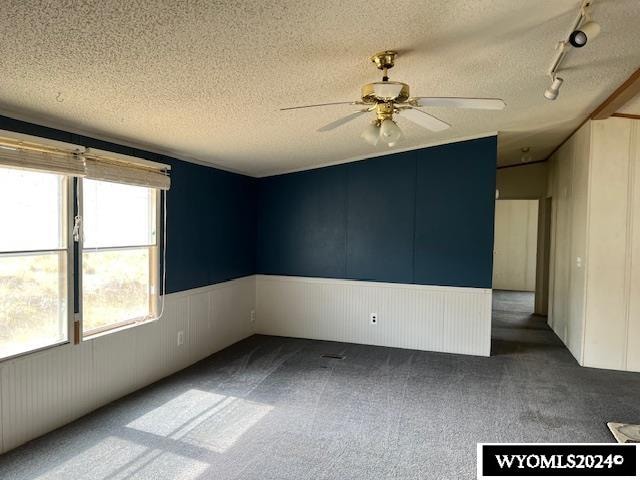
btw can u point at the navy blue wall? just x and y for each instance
(210, 214)
(211, 225)
(424, 216)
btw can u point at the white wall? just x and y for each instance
(515, 245)
(45, 390)
(423, 317)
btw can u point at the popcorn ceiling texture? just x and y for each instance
(204, 79)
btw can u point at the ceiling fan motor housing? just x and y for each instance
(378, 92)
(384, 60)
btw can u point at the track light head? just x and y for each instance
(586, 32)
(552, 92)
(578, 39)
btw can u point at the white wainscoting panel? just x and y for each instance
(422, 317)
(45, 390)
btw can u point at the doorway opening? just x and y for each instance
(514, 255)
(520, 272)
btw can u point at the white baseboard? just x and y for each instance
(422, 317)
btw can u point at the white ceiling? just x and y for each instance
(204, 79)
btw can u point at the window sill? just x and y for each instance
(90, 336)
(118, 328)
(35, 351)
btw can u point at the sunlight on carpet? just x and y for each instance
(118, 459)
(203, 419)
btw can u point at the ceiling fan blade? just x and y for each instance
(461, 102)
(341, 121)
(424, 119)
(322, 105)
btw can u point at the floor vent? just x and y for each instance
(332, 355)
(625, 432)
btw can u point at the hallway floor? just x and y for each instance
(515, 329)
(274, 408)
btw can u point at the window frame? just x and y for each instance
(154, 273)
(67, 213)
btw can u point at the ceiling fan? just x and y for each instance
(388, 98)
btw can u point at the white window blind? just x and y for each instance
(28, 153)
(40, 158)
(109, 167)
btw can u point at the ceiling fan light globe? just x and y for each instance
(396, 142)
(390, 132)
(371, 134)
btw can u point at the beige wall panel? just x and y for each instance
(578, 224)
(515, 240)
(633, 315)
(551, 194)
(562, 240)
(522, 182)
(606, 324)
(531, 251)
(594, 182)
(568, 188)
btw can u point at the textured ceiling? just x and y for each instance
(204, 79)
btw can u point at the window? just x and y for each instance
(119, 256)
(79, 250)
(34, 302)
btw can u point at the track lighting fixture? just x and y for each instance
(552, 92)
(583, 30)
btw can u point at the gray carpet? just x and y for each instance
(273, 408)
